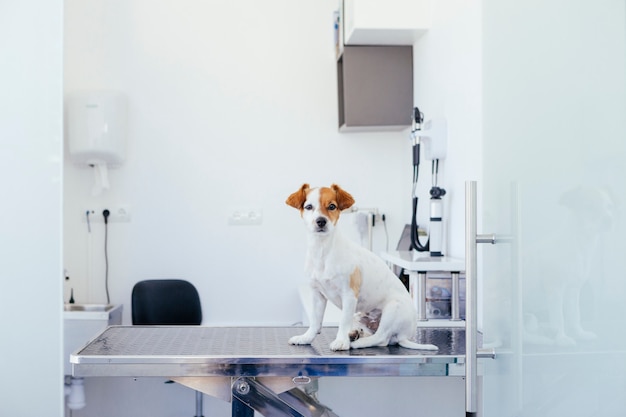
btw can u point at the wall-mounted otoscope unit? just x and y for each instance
(433, 134)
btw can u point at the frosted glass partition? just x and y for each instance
(554, 178)
(31, 161)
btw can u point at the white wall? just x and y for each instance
(448, 84)
(230, 106)
(30, 217)
(234, 105)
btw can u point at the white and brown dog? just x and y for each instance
(352, 278)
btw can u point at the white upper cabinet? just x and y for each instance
(389, 22)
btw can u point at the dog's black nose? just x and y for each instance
(321, 222)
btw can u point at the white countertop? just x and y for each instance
(415, 261)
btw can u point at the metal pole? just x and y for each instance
(199, 404)
(471, 317)
(421, 296)
(455, 314)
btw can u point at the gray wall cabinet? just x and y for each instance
(375, 87)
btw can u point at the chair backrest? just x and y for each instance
(165, 302)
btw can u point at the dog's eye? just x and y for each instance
(308, 207)
(332, 207)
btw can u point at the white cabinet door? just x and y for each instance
(554, 298)
(389, 22)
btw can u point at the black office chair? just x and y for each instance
(167, 302)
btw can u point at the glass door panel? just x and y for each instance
(554, 296)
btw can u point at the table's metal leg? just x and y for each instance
(249, 395)
(258, 397)
(240, 409)
(199, 408)
(455, 314)
(306, 404)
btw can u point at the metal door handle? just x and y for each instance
(471, 304)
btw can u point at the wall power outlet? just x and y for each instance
(117, 214)
(245, 217)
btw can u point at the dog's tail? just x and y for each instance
(409, 344)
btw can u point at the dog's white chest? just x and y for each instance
(329, 265)
(329, 289)
(326, 269)
(328, 280)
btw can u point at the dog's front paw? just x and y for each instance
(340, 344)
(428, 347)
(303, 339)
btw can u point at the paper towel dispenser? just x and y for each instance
(96, 131)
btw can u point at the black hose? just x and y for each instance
(415, 241)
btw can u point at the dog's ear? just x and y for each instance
(344, 199)
(298, 198)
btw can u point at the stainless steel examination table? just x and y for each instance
(254, 367)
